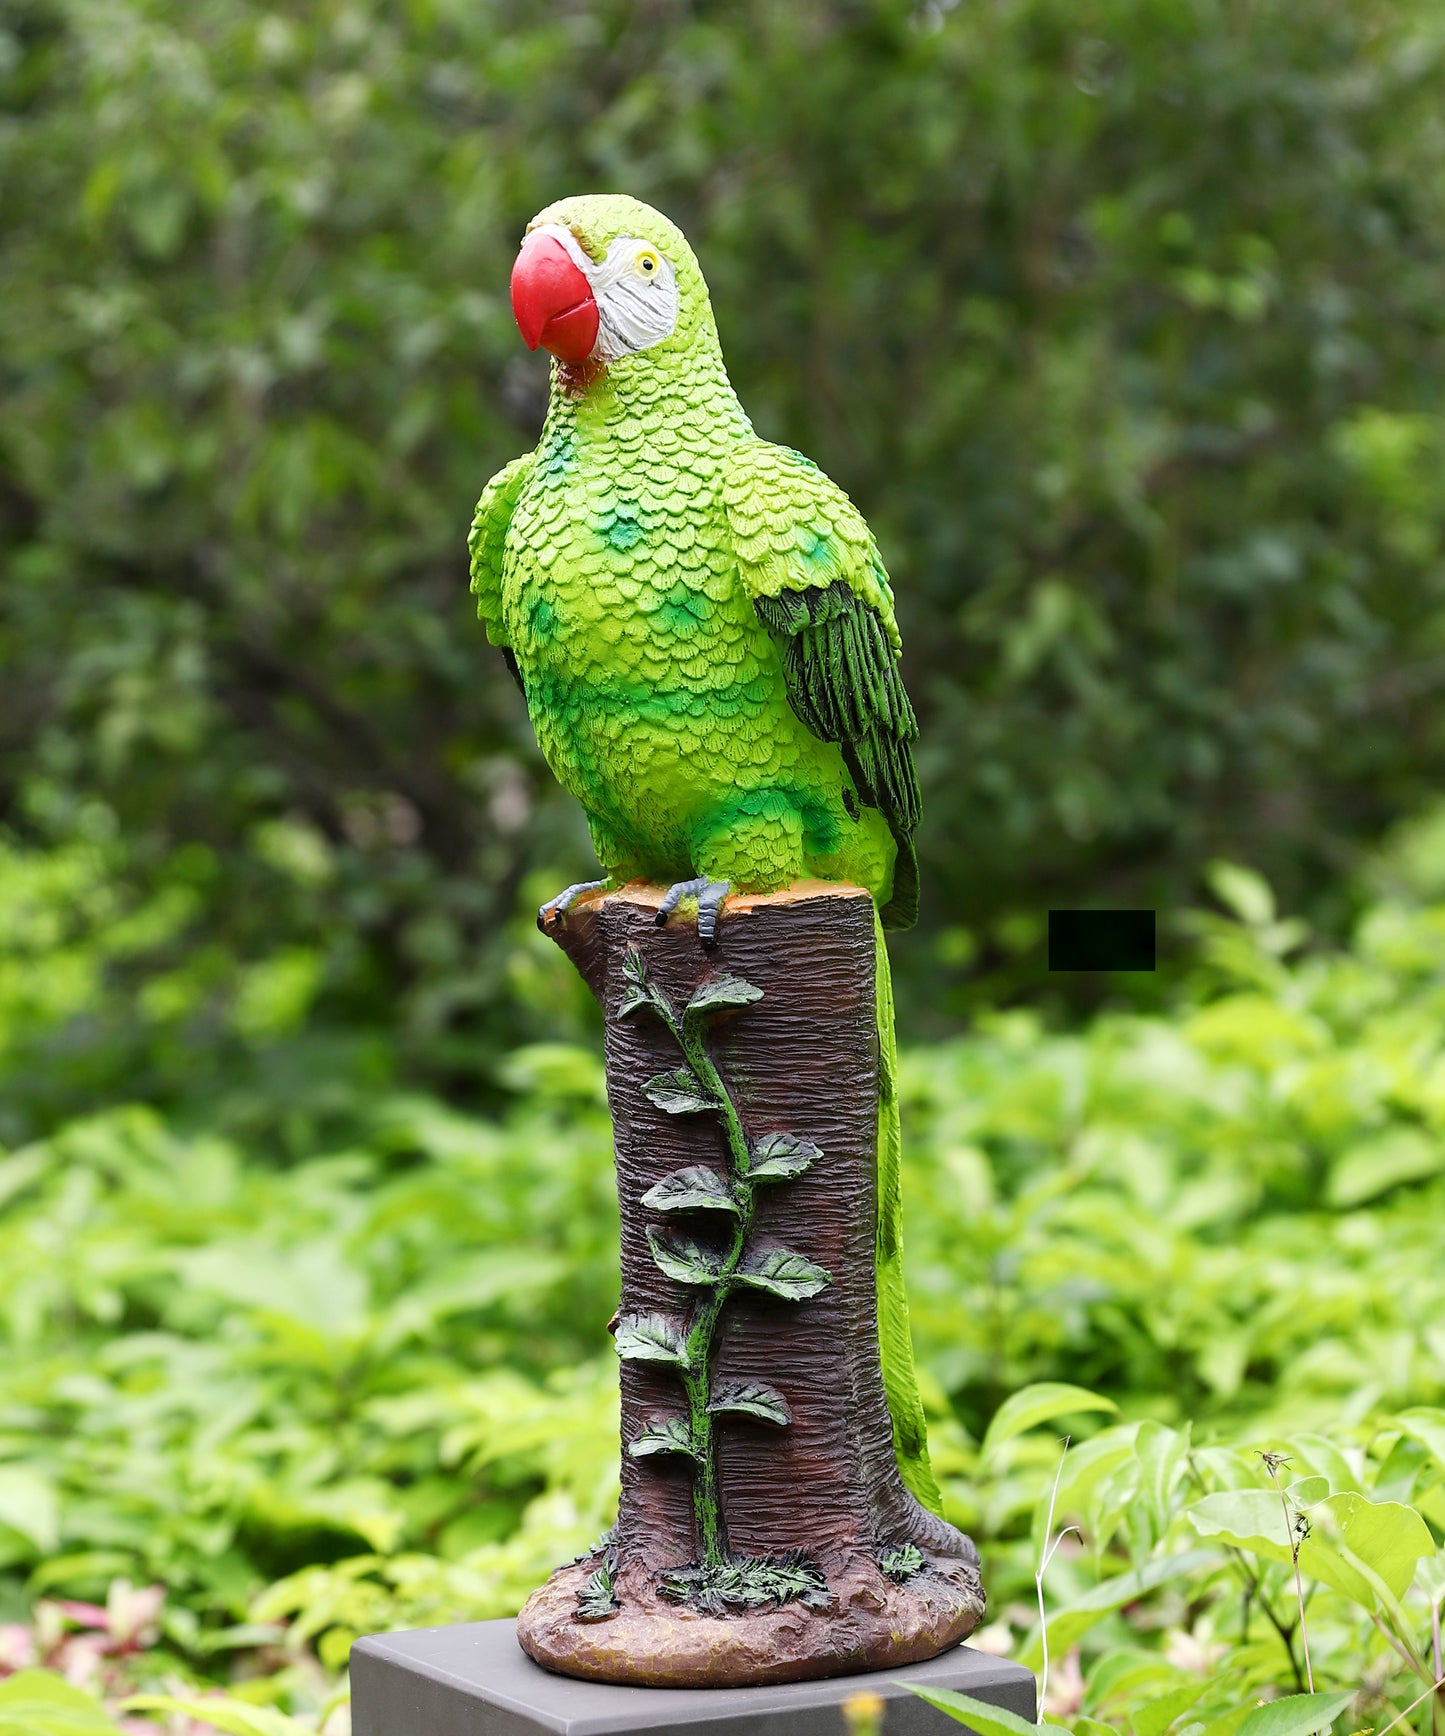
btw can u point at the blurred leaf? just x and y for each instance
(1347, 1532)
(40, 1703)
(224, 1713)
(1246, 893)
(1068, 1624)
(28, 1504)
(1368, 1170)
(1296, 1714)
(1308, 1491)
(1430, 1577)
(983, 1719)
(1040, 1403)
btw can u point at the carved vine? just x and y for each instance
(713, 1267)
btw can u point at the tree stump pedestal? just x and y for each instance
(764, 1534)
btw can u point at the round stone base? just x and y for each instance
(871, 1624)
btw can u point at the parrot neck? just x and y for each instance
(681, 389)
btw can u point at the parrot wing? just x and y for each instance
(487, 542)
(811, 566)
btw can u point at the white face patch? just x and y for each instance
(635, 289)
(636, 298)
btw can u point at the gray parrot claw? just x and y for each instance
(709, 895)
(555, 907)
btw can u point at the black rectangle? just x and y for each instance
(1101, 940)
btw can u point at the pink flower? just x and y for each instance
(1066, 1686)
(997, 1638)
(80, 1659)
(84, 1615)
(132, 1616)
(17, 1647)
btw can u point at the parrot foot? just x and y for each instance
(709, 895)
(555, 907)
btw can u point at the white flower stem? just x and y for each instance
(1048, 1554)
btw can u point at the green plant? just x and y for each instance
(1145, 1496)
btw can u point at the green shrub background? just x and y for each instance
(1124, 323)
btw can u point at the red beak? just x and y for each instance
(552, 300)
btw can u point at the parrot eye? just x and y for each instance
(647, 262)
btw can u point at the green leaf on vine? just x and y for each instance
(902, 1563)
(781, 1272)
(641, 990)
(652, 1338)
(598, 1599)
(750, 1398)
(679, 1093)
(670, 1436)
(720, 992)
(781, 1156)
(723, 1587)
(696, 1189)
(682, 1259)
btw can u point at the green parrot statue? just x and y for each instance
(704, 633)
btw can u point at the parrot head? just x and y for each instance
(604, 277)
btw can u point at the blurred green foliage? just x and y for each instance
(1122, 323)
(370, 1386)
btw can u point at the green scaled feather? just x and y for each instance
(487, 541)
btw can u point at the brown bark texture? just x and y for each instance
(802, 1060)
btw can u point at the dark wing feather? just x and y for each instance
(844, 683)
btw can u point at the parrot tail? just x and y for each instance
(895, 1342)
(901, 910)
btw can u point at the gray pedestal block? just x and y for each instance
(475, 1680)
